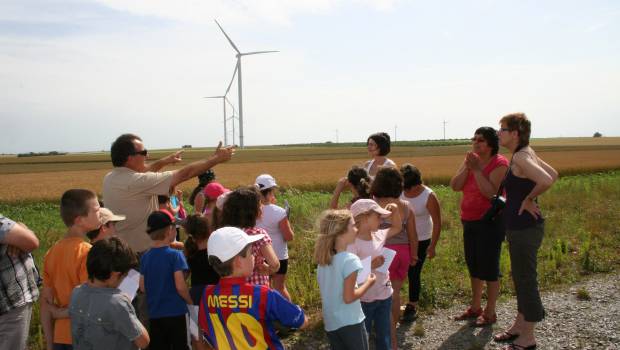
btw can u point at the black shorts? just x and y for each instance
(283, 267)
(482, 241)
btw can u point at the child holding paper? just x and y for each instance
(337, 276)
(377, 301)
(101, 315)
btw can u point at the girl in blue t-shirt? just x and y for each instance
(337, 274)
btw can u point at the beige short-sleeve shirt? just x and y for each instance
(134, 195)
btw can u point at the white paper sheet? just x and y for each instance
(389, 255)
(193, 320)
(130, 283)
(362, 275)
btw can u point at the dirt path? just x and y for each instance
(571, 323)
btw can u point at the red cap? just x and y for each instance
(214, 190)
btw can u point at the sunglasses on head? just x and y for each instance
(144, 152)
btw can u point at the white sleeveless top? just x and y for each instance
(386, 163)
(423, 220)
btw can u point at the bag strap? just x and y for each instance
(501, 185)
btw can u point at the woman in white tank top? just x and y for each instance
(378, 148)
(425, 205)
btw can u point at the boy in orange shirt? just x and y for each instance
(64, 265)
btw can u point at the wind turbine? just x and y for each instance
(238, 70)
(224, 100)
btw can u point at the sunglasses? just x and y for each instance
(477, 139)
(144, 152)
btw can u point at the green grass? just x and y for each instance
(581, 237)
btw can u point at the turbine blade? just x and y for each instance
(232, 79)
(255, 52)
(227, 37)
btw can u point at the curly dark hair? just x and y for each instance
(382, 140)
(197, 228)
(107, 256)
(203, 180)
(411, 175)
(388, 183)
(490, 136)
(359, 179)
(242, 207)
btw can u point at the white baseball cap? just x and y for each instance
(362, 206)
(221, 199)
(226, 242)
(265, 181)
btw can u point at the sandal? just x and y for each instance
(505, 336)
(514, 346)
(469, 313)
(484, 320)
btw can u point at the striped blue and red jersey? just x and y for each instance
(237, 315)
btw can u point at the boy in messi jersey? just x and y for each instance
(233, 313)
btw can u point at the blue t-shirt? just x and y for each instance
(237, 315)
(158, 266)
(337, 314)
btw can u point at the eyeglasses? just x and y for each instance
(503, 129)
(144, 152)
(477, 139)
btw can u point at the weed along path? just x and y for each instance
(582, 316)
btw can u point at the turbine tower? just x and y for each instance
(239, 86)
(224, 100)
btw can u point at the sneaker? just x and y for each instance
(410, 313)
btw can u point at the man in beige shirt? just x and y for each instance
(132, 187)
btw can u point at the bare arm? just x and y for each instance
(285, 228)
(199, 203)
(273, 264)
(333, 203)
(143, 340)
(181, 286)
(47, 323)
(167, 160)
(58, 312)
(432, 204)
(350, 293)
(412, 235)
(489, 186)
(141, 284)
(194, 169)
(22, 238)
(396, 220)
(306, 322)
(549, 169)
(458, 181)
(533, 171)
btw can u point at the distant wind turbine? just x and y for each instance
(224, 100)
(238, 70)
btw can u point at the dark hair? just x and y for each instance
(73, 204)
(266, 191)
(359, 179)
(225, 268)
(203, 180)
(159, 234)
(520, 123)
(388, 183)
(490, 136)
(163, 199)
(411, 175)
(242, 207)
(382, 140)
(197, 228)
(107, 256)
(122, 148)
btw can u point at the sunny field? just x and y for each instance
(583, 211)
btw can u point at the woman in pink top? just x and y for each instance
(479, 178)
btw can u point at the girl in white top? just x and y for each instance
(378, 148)
(275, 221)
(377, 301)
(425, 205)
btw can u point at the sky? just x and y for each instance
(74, 75)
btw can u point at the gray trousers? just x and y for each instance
(353, 337)
(14, 326)
(523, 246)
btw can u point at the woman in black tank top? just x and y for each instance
(527, 178)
